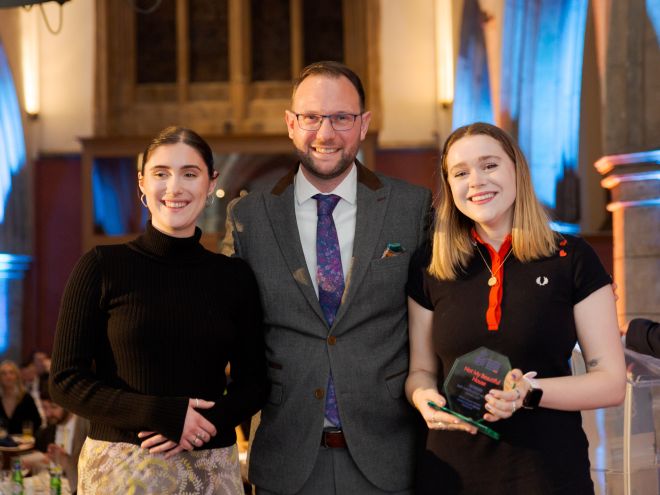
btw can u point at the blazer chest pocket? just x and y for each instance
(400, 261)
(387, 280)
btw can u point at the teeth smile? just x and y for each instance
(325, 150)
(174, 204)
(482, 197)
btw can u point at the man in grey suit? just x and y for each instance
(351, 359)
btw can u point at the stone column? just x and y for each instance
(633, 180)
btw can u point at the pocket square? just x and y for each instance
(393, 249)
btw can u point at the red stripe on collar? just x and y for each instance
(494, 311)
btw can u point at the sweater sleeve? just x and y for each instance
(247, 388)
(80, 338)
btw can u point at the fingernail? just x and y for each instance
(488, 397)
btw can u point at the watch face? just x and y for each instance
(533, 398)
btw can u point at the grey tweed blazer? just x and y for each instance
(366, 348)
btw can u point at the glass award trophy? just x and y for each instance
(471, 377)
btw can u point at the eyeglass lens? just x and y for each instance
(338, 121)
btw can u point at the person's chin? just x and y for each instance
(326, 171)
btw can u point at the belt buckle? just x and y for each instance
(324, 442)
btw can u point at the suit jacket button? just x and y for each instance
(332, 340)
(319, 393)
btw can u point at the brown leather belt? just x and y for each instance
(333, 440)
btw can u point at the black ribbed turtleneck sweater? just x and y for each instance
(146, 325)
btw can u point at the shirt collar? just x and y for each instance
(346, 190)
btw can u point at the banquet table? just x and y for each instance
(38, 484)
(23, 444)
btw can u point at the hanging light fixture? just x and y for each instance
(444, 52)
(30, 62)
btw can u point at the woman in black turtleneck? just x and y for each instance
(145, 332)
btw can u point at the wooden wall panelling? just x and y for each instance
(240, 106)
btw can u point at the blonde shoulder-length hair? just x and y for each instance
(20, 388)
(531, 236)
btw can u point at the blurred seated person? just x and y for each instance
(643, 336)
(18, 407)
(41, 362)
(29, 373)
(59, 442)
(33, 384)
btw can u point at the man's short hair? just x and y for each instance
(331, 68)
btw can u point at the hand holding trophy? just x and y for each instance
(471, 377)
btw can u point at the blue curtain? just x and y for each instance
(115, 193)
(653, 13)
(542, 56)
(12, 143)
(472, 100)
(12, 159)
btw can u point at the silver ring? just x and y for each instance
(196, 403)
(513, 407)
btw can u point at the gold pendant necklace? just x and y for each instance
(493, 278)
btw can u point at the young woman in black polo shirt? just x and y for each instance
(497, 276)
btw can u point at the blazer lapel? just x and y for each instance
(281, 213)
(372, 200)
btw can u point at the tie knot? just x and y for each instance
(325, 203)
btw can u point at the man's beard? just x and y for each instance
(61, 420)
(342, 165)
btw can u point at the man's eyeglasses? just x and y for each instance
(338, 121)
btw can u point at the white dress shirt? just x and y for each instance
(35, 393)
(64, 434)
(344, 217)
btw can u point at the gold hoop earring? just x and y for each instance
(143, 200)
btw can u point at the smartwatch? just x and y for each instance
(533, 397)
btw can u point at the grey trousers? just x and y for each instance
(335, 473)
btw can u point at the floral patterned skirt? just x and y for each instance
(115, 467)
